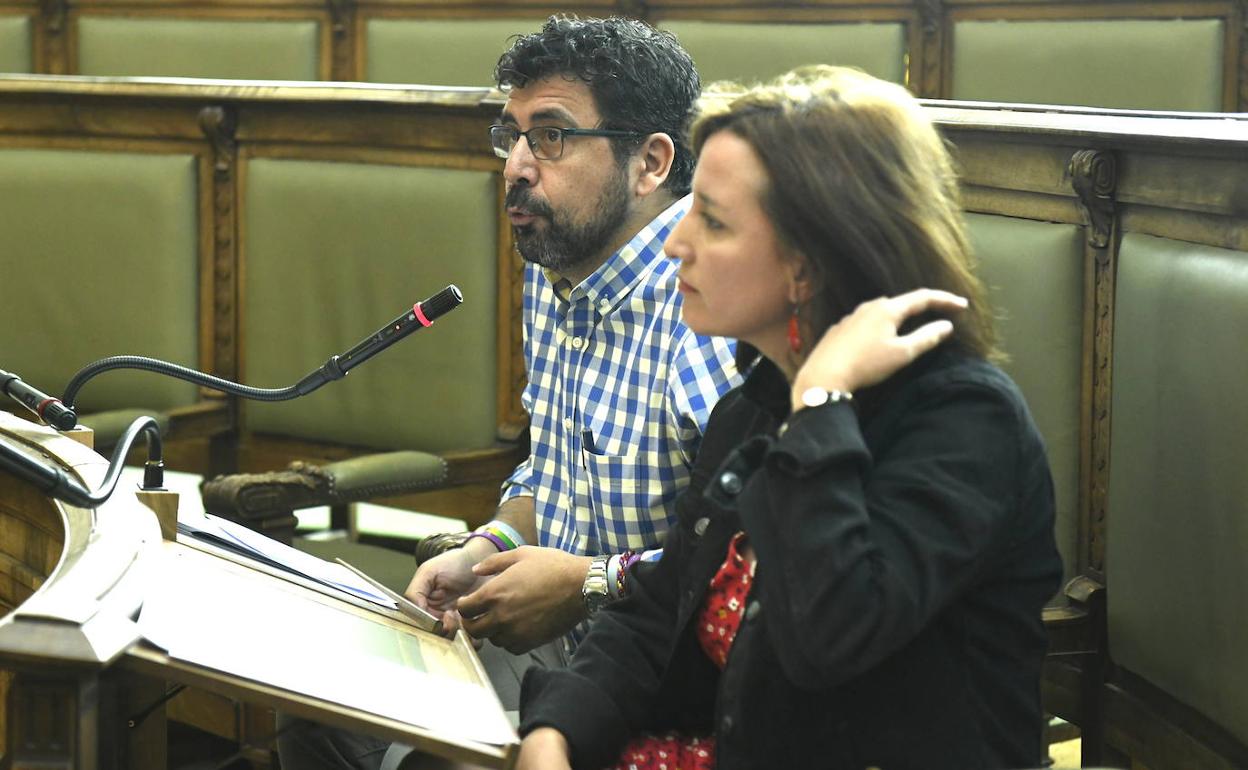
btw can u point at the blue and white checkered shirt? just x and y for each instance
(619, 391)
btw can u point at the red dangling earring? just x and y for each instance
(795, 331)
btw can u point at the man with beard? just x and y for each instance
(619, 388)
(597, 174)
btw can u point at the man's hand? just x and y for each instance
(533, 595)
(440, 582)
(544, 749)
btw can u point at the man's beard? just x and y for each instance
(563, 245)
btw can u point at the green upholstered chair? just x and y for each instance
(15, 43)
(331, 251)
(201, 48)
(1178, 499)
(1170, 64)
(752, 52)
(440, 52)
(104, 261)
(1034, 273)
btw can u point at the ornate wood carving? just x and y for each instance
(342, 46)
(928, 47)
(1093, 175)
(637, 9)
(219, 125)
(53, 14)
(932, 14)
(1243, 57)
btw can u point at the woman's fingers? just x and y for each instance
(926, 337)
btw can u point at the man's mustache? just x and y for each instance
(523, 198)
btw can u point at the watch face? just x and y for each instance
(815, 396)
(594, 601)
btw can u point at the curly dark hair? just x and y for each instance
(641, 78)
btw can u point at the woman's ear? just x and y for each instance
(654, 162)
(801, 280)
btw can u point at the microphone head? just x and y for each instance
(442, 303)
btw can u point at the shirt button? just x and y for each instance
(578, 342)
(752, 610)
(725, 724)
(730, 482)
(604, 303)
(699, 526)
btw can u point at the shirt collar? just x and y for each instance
(623, 269)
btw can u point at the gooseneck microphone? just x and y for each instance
(421, 315)
(47, 408)
(60, 413)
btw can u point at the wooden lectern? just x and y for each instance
(84, 687)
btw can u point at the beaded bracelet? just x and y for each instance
(621, 578)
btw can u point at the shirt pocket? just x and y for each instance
(631, 496)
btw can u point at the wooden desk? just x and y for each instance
(82, 673)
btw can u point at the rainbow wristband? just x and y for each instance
(502, 535)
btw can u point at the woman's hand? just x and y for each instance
(864, 348)
(544, 748)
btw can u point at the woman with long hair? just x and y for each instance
(859, 565)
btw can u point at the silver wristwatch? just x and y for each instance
(594, 590)
(818, 396)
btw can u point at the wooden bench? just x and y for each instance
(1137, 54)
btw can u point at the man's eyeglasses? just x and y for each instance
(546, 142)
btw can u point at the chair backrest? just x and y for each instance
(442, 52)
(756, 51)
(1178, 505)
(330, 252)
(1034, 273)
(15, 39)
(171, 46)
(1145, 64)
(102, 259)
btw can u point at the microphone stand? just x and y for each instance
(55, 482)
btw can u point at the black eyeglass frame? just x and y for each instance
(563, 134)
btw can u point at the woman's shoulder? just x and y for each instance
(954, 370)
(946, 379)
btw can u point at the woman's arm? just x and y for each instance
(609, 690)
(858, 552)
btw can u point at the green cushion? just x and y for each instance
(438, 51)
(103, 260)
(1149, 65)
(198, 48)
(754, 52)
(385, 473)
(1034, 271)
(15, 53)
(1178, 491)
(332, 251)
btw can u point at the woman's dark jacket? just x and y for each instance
(904, 557)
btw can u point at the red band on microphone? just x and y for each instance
(44, 405)
(420, 315)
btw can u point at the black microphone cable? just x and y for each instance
(52, 480)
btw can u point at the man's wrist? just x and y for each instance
(479, 548)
